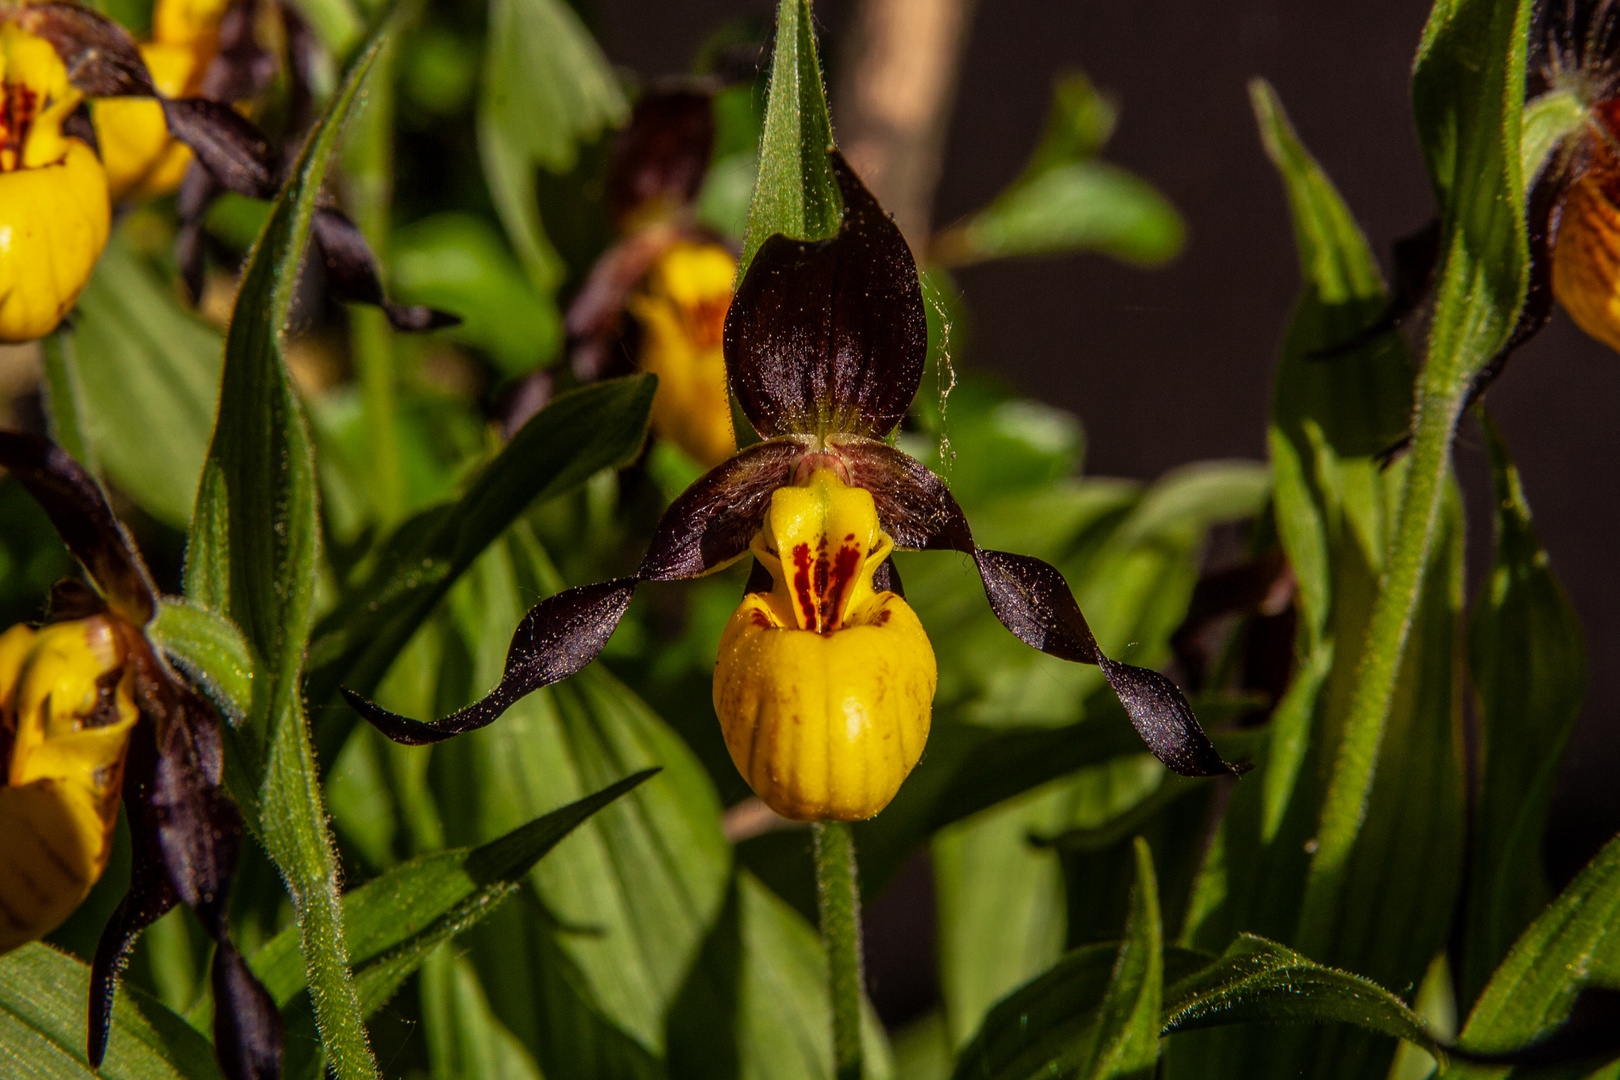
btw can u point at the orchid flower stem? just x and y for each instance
(838, 900)
(1441, 395)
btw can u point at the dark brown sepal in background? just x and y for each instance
(78, 510)
(829, 337)
(661, 155)
(351, 274)
(101, 57)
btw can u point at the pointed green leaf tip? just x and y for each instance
(795, 194)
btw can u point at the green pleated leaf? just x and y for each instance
(147, 366)
(629, 899)
(396, 920)
(578, 435)
(547, 88)
(1574, 944)
(1094, 1015)
(253, 555)
(1260, 982)
(42, 1024)
(1331, 503)
(756, 1005)
(795, 193)
(1527, 662)
(465, 1040)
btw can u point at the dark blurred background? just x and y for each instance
(1173, 365)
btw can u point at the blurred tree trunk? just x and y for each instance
(896, 90)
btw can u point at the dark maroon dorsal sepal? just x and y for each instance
(830, 337)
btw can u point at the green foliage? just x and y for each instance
(546, 89)
(145, 363)
(457, 262)
(1527, 661)
(42, 994)
(396, 921)
(1067, 201)
(1572, 945)
(1094, 1015)
(591, 429)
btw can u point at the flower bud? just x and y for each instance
(54, 212)
(66, 710)
(682, 310)
(824, 687)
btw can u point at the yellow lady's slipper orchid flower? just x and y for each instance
(66, 710)
(824, 682)
(54, 211)
(682, 310)
(824, 686)
(143, 160)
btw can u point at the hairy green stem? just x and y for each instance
(838, 899)
(1441, 395)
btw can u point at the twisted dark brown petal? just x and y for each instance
(1031, 599)
(151, 894)
(556, 639)
(709, 526)
(351, 274)
(830, 337)
(662, 155)
(227, 143)
(78, 509)
(248, 1035)
(100, 56)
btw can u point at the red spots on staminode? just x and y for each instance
(762, 620)
(845, 565)
(801, 586)
(18, 104)
(820, 582)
